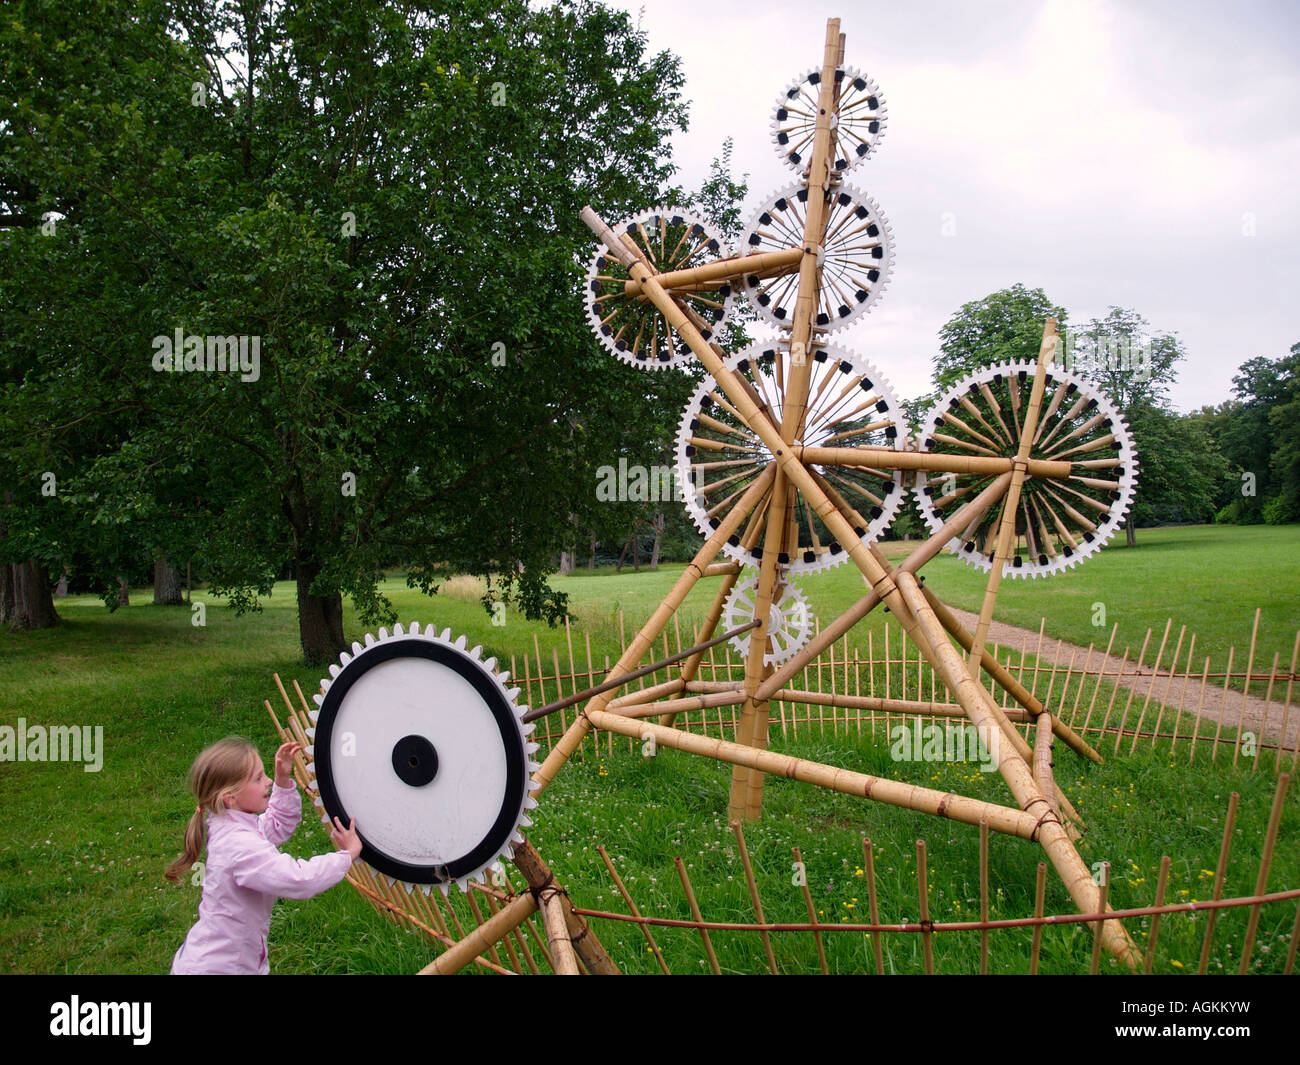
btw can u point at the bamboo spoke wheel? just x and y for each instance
(630, 326)
(860, 120)
(850, 406)
(1058, 522)
(854, 258)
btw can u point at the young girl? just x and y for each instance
(245, 872)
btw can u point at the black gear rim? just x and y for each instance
(498, 836)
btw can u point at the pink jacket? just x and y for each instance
(244, 874)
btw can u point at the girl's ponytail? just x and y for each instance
(196, 839)
(218, 771)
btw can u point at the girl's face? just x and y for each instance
(253, 793)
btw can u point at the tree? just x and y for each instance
(1134, 369)
(1005, 326)
(382, 201)
(1260, 435)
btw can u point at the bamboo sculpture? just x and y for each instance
(796, 458)
(796, 454)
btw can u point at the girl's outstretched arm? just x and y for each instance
(263, 868)
(284, 811)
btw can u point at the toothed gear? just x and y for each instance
(857, 124)
(422, 742)
(855, 259)
(789, 623)
(850, 405)
(631, 327)
(1059, 523)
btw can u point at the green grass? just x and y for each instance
(82, 854)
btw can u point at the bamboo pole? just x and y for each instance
(1007, 519)
(563, 750)
(883, 458)
(1098, 925)
(696, 914)
(892, 792)
(1155, 918)
(1008, 683)
(631, 905)
(873, 909)
(1265, 862)
(1052, 834)
(923, 888)
(1245, 691)
(540, 878)
(1220, 874)
(456, 957)
(711, 275)
(627, 678)
(812, 911)
(984, 897)
(753, 893)
(1040, 897)
(564, 959)
(914, 561)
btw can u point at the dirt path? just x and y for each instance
(1215, 706)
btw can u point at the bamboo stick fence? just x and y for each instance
(851, 693)
(1118, 702)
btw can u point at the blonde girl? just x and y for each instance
(241, 818)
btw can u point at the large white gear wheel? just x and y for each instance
(856, 257)
(856, 126)
(1059, 523)
(630, 326)
(789, 624)
(422, 742)
(850, 405)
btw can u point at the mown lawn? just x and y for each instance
(82, 853)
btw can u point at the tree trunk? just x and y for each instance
(591, 558)
(658, 525)
(1130, 533)
(6, 593)
(61, 589)
(566, 561)
(636, 549)
(320, 619)
(622, 556)
(166, 584)
(123, 592)
(33, 603)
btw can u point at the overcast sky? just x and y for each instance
(1110, 153)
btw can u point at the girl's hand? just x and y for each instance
(346, 839)
(284, 763)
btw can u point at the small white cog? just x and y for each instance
(789, 623)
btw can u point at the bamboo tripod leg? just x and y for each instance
(1007, 522)
(752, 727)
(1019, 777)
(508, 918)
(575, 733)
(1014, 688)
(691, 666)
